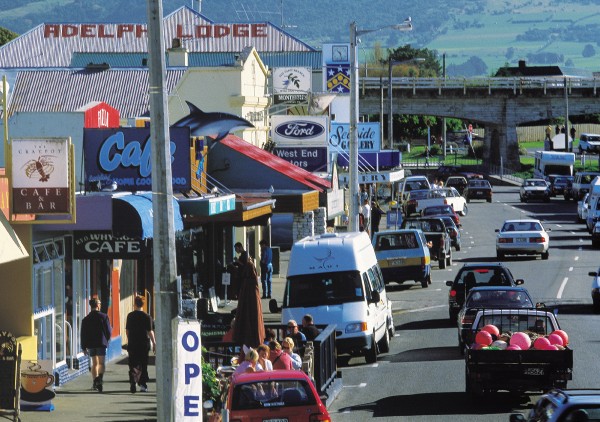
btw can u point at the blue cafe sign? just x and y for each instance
(122, 157)
(368, 134)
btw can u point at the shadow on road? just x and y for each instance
(427, 324)
(427, 354)
(451, 403)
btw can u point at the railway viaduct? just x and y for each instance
(497, 104)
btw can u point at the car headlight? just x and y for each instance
(356, 327)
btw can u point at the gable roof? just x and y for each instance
(52, 45)
(68, 90)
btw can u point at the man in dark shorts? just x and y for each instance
(140, 337)
(95, 335)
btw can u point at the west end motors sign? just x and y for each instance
(40, 176)
(302, 141)
(123, 156)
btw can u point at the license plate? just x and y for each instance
(521, 239)
(479, 192)
(396, 262)
(533, 371)
(276, 420)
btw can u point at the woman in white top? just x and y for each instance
(249, 363)
(288, 347)
(263, 364)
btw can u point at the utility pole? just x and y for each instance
(165, 268)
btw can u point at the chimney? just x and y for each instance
(177, 55)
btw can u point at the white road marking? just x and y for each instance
(426, 308)
(576, 258)
(562, 288)
(361, 385)
(558, 225)
(572, 232)
(580, 240)
(570, 268)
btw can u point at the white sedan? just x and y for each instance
(522, 237)
(583, 207)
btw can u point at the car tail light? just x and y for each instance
(467, 319)
(505, 240)
(452, 293)
(536, 240)
(323, 417)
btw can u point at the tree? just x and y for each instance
(6, 35)
(588, 51)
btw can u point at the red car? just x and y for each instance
(274, 396)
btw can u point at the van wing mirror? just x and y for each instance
(449, 283)
(519, 281)
(273, 308)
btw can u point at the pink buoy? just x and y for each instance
(564, 336)
(541, 343)
(492, 329)
(513, 347)
(555, 339)
(551, 347)
(484, 338)
(521, 339)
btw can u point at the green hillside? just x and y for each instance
(543, 32)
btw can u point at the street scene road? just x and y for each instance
(422, 378)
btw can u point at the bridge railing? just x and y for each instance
(514, 84)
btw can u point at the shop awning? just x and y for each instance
(133, 215)
(11, 247)
(249, 211)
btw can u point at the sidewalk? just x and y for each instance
(76, 401)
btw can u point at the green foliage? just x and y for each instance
(6, 36)
(588, 51)
(210, 384)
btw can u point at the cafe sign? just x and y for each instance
(104, 245)
(40, 176)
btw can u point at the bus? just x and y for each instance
(552, 162)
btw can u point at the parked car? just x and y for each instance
(559, 185)
(589, 143)
(442, 210)
(488, 297)
(281, 395)
(583, 208)
(411, 199)
(444, 196)
(534, 189)
(582, 183)
(522, 237)
(563, 405)
(438, 240)
(596, 235)
(457, 182)
(474, 275)
(403, 255)
(595, 289)
(478, 189)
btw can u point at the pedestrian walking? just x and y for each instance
(140, 339)
(95, 336)
(266, 268)
(249, 326)
(549, 132)
(572, 132)
(376, 214)
(366, 212)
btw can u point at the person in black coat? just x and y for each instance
(376, 214)
(140, 337)
(309, 328)
(95, 335)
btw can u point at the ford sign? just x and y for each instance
(299, 129)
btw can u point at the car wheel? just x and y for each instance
(500, 255)
(384, 344)
(452, 315)
(442, 263)
(595, 243)
(524, 199)
(392, 329)
(489, 200)
(371, 356)
(461, 346)
(545, 255)
(465, 211)
(596, 306)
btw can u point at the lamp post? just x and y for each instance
(391, 63)
(354, 190)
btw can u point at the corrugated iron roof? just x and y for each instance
(312, 59)
(60, 90)
(52, 45)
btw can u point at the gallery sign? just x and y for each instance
(291, 85)
(103, 245)
(122, 158)
(293, 131)
(368, 135)
(40, 176)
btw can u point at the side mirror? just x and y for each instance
(449, 283)
(497, 230)
(516, 417)
(519, 281)
(375, 297)
(593, 274)
(273, 308)
(548, 230)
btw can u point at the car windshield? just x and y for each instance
(498, 299)
(272, 393)
(425, 225)
(418, 194)
(472, 277)
(438, 210)
(479, 184)
(535, 183)
(323, 289)
(391, 241)
(521, 226)
(416, 184)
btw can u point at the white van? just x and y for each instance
(582, 183)
(593, 215)
(335, 277)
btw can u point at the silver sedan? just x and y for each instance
(522, 237)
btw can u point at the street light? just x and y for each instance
(354, 191)
(391, 63)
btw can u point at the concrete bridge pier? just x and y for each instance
(501, 141)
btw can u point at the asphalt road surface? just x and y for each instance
(423, 376)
